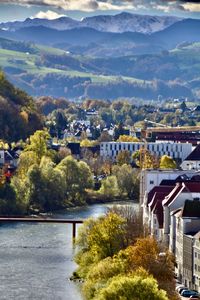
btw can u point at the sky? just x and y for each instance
(12, 10)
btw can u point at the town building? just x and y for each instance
(187, 225)
(150, 178)
(196, 258)
(192, 161)
(178, 151)
(189, 134)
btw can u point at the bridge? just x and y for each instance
(44, 220)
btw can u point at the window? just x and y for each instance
(151, 182)
(195, 267)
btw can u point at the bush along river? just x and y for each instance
(36, 259)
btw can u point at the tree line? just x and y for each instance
(117, 259)
(46, 180)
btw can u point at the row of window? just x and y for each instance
(134, 147)
(159, 153)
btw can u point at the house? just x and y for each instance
(187, 265)
(149, 178)
(9, 158)
(196, 259)
(187, 224)
(192, 161)
(162, 200)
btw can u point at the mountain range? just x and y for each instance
(119, 23)
(108, 57)
(97, 43)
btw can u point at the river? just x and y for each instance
(36, 260)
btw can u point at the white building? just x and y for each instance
(196, 260)
(186, 225)
(192, 161)
(175, 150)
(153, 177)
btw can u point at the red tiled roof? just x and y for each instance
(159, 189)
(158, 197)
(177, 189)
(193, 187)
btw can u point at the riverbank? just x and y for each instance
(37, 259)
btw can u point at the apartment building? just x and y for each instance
(177, 151)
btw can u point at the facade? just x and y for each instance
(196, 259)
(187, 277)
(187, 225)
(177, 151)
(170, 201)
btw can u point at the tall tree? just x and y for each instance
(123, 157)
(38, 143)
(128, 180)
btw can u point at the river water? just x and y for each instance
(36, 260)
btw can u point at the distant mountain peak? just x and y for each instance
(122, 22)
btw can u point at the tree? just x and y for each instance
(127, 179)
(127, 138)
(38, 143)
(166, 162)
(134, 227)
(146, 253)
(78, 178)
(99, 239)
(99, 274)
(134, 287)
(106, 166)
(105, 137)
(87, 143)
(8, 203)
(123, 157)
(109, 187)
(145, 159)
(62, 153)
(27, 159)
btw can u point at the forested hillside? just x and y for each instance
(18, 115)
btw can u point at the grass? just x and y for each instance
(27, 63)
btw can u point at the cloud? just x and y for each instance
(82, 5)
(193, 7)
(93, 5)
(49, 14)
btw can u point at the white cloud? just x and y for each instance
(49, 14)
(82, 5)
(93, 5)
(193, 7)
